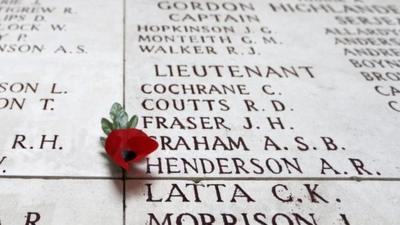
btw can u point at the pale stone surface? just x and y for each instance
(329, 99)
(61, 202)
(261, 202)
(92, 81)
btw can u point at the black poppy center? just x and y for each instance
(128, 155)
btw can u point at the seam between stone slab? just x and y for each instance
(123, 197)
(123, 51)
(123, 102)
(60, 177)
(199, 179)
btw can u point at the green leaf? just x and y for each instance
(106, 125)
(103, 141)
(124, 120)
(133, 122)
(121, 120)
(116, 110)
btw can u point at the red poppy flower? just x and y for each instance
(129, 145)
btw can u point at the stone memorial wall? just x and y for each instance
(278, 112)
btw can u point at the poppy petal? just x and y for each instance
(129, 145)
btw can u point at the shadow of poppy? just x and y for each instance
(115, 173)
(135, 180)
